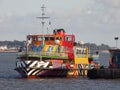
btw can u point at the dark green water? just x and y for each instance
(11, 80)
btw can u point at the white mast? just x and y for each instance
(43, 17)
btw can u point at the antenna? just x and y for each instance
(43, 17)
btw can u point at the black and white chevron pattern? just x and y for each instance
(80, 68)
(30, 67)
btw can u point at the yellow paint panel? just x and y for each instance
(45, 48)
(54, 49)
(81, 61)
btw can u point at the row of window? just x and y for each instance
(45, 38)
(68, 38)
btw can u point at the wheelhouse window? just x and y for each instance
(68, 38)
(52, 38)
(58, 38)
(34, 38)
(40, 38)
(46, 38)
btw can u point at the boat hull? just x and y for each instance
(30, 68)
(35, 73)
(36, 68)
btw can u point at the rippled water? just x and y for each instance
(11, 80)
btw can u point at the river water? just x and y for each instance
(11, 80)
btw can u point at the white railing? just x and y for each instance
(47, 54)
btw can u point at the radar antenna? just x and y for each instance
(43, 17)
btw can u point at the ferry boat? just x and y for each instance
(52, 55)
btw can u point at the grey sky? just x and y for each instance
(96, 21)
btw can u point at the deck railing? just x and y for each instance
(43, 54)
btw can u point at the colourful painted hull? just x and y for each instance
(35, 69)
(36, 73)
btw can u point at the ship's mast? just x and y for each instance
(43, 17)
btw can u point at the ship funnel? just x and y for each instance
(59, 31)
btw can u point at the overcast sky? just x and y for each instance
(95, 21)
